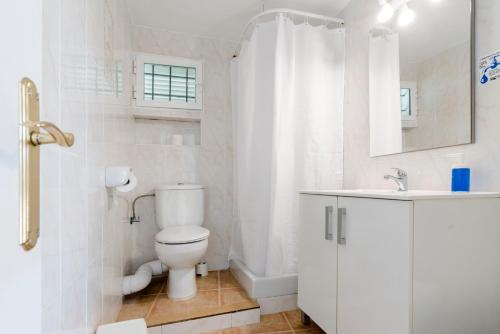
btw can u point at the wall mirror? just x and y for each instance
(421, 56)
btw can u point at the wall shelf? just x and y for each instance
(167, 114)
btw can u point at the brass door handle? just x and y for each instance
(53, 135)
(30, 139)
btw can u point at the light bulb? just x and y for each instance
(406, 16)
(386, 12)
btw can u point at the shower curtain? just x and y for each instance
(287, 87)
(386, 133)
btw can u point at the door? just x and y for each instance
(374, 267)
(21, 56)
(317, 265)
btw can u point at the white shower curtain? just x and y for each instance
(288, 86)
(386, 133)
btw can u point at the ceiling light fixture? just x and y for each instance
(386, 12)
(406, 15)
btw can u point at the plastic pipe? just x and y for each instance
(142, 277)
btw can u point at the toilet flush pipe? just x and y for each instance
(134, 218)
(142, 277)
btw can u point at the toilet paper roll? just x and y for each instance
(132, 183)
(202, 269)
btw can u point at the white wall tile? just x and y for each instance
(278, 304)
(247, 317)
(198, 326)
(154, 330)
(83, 255)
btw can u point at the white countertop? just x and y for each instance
(409, 195)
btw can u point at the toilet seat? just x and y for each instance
(175, 235)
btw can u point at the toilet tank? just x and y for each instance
(180, 204)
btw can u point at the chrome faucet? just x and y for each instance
(401, 179)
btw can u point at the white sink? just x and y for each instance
(401, 195)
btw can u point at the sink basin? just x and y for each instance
(401, 195)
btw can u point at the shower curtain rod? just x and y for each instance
(285, 11)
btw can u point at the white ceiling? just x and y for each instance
(224, 19)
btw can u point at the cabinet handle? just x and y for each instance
(328, 222)
(341, 213)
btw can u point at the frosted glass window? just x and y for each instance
(169, 83)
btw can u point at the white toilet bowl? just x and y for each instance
(181, 248)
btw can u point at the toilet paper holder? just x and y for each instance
(118, 179)
(118, 176)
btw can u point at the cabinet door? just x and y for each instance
(374, 281)
(318, 260)
(457, 266)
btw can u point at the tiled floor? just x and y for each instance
(218, 293)
(285, 322)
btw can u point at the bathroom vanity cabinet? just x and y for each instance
(381, 262)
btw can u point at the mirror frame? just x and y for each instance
(473, 72)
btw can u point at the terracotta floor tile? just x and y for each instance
(227, 280)
(270, 323)
(236, 299)
(294, 319)
(165, 310)
(135, 307)
(210, 282)
(153, 303)
(154, 287)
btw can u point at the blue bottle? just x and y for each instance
(460, 179)
(460, 174)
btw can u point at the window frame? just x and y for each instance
(412, 86)
(142, 58)
(412, 120)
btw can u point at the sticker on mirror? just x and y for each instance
(489, 67)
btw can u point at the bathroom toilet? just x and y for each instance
(182, 242)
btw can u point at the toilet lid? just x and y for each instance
(182, 234)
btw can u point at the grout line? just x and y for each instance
(151, 307)
(219, 289)
(154, 301)
(163, 286)
(288, 322)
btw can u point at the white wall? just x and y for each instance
(208, 163)
(85, 43)
(428, 169)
